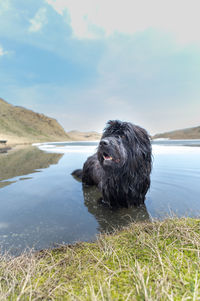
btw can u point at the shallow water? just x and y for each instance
(42, 205)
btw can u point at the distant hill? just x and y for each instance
(20, 125)
(77, 135)
(189, 133)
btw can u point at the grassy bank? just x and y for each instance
(153, 261)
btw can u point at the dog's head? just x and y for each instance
(123, 145)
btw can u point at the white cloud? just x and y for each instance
(92, 18)
(38, 21)
(4, 6)
(2, 51)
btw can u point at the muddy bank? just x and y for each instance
(4, 149)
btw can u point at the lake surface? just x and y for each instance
(42, 205)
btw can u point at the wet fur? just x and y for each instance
(125, 179)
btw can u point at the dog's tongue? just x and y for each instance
(107, 157)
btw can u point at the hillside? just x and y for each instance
(189, 133)
(20, 125)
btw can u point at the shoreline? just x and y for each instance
(4, 149)
(23, 142)
(12, 147)
(144, 261)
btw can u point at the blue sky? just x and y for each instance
(84, 62)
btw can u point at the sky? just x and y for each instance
(85, 62)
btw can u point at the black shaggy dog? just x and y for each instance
(122, 165)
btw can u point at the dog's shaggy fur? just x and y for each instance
(122, 165)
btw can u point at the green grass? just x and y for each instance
(146, 261)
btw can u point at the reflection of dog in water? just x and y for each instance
(122, 165)
(108, 219)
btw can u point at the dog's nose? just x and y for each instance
(104, 142)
